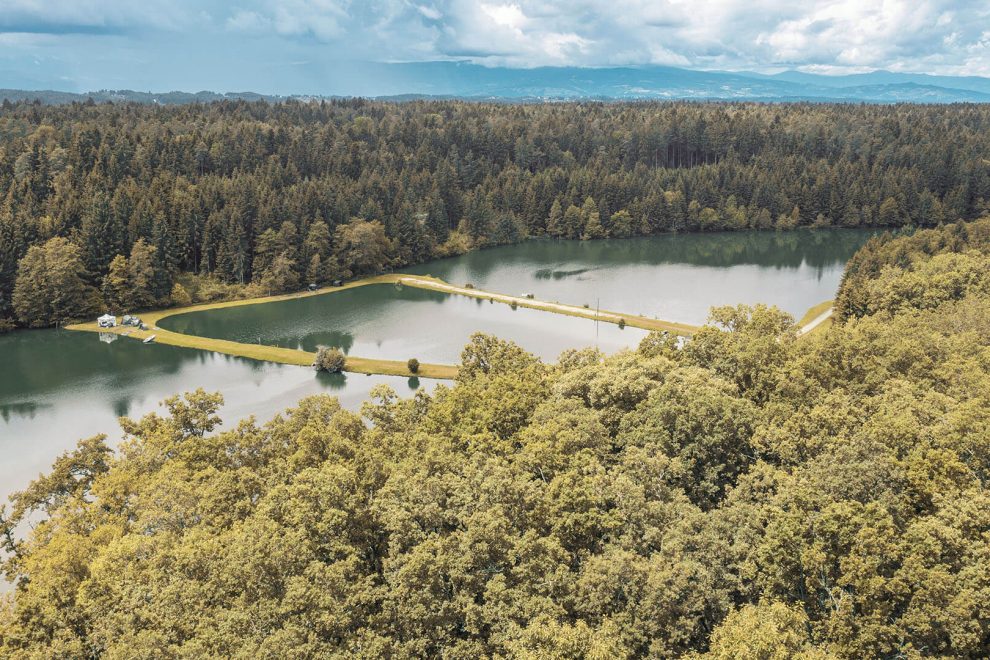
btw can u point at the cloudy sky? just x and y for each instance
(303, 46)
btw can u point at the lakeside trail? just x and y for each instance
(815, 322)
(815, 318)
(352, 364)
(361, 365)
(434, 284)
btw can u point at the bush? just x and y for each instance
(179, 296)
(329, 359)
(622, 323)
(514, 305)
(468, 286)
(413, 365)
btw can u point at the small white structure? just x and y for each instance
(107, 321)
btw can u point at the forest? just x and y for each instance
(747, 495)
(118, 207)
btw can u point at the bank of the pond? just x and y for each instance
(356, 364)
(632, 320)
(816, 318)
(262, 352)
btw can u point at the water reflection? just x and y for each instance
(332, 381)
(27, 409)
(397, 323)
(551, 274)
(61, 386)
(675, 276)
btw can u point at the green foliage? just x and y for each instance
(141, 275)
(338, 190)
(746, 495)
(117, 286)
(413, 365)
(179, 297)
(52, 285)
(329, 359)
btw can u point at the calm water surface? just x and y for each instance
(397, 323)
(673, 277)
(58, 386)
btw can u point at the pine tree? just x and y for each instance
(167, 257)
(477, 217)
(573, 223)
(141, 275)
(555, 221)
(102, 238)
(117, 286)
(592, 220)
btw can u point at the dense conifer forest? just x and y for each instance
(118, 206)
(749, 495)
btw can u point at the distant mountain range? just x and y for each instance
(472, 81)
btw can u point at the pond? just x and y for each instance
(390, 322)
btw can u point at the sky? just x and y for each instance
(307, 46)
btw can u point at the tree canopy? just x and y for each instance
(274, 193)
(747, 495)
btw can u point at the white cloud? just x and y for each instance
(939, 36)
(248, 21)
(67, 16)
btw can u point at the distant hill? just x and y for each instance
(416, 80)
(53, 97)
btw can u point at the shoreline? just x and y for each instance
(362, 365)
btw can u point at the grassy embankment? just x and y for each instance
(632, 320)
(812, 314)
(353, 364)
(359, 364)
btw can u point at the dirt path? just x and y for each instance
(356, 364)
(554, 307)
(815, 322)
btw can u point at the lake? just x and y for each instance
(60, 386)
(675, 277)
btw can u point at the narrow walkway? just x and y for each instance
(815, 322)
(355, 364)
(632, 320)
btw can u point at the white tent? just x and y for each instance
(107, 321)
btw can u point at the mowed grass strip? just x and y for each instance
(812, 314)
(356, 364)
(633, 320)
(352, 364)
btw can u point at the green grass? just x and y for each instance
(642, 322)
(265, 353)
(814, 312)
(356, 364)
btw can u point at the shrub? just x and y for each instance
(468, 286)
(413, 365)
(514, 305)
(179, 296)
(622, 323)
(329, 359)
